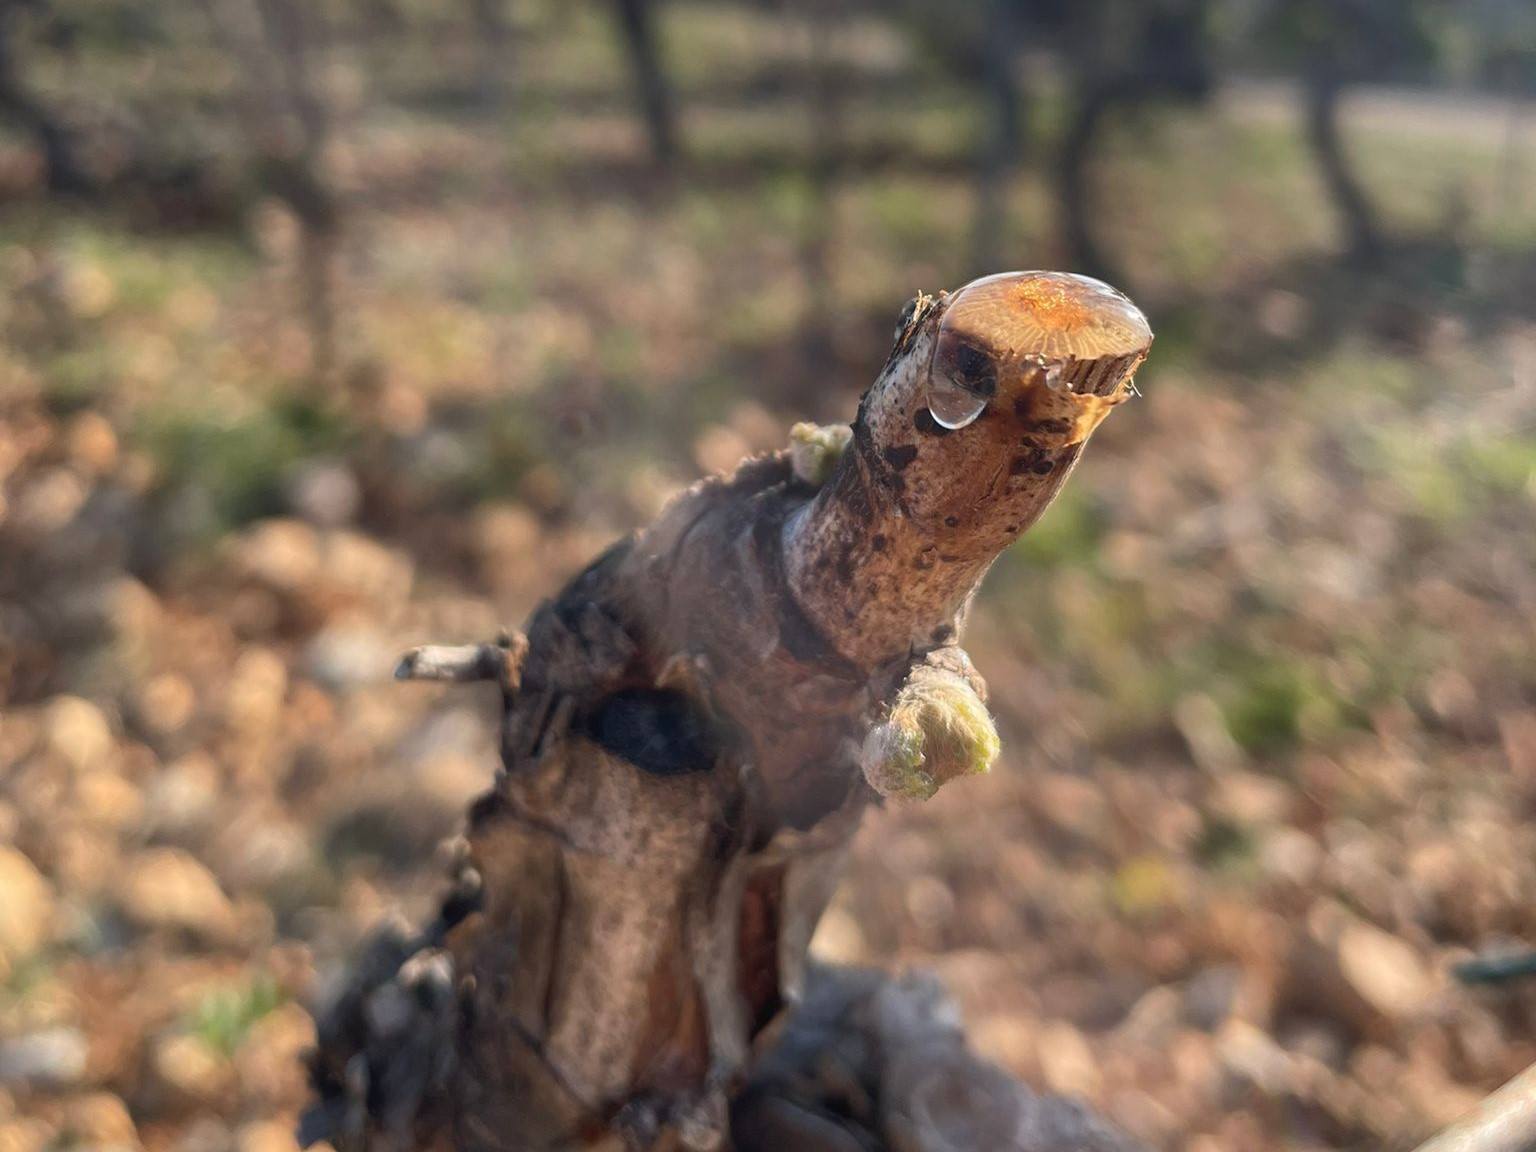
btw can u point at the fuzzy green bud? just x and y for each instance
(815, 449)
(937, 729)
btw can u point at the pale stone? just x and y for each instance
(257, 685)
(92, 444)
(26, 1135)
(1252, 1061)
(1385, 972)
(26, 908)
(166, 703)
(168, 889)
(367, 569)
(52, 1058)
(77, 732)
(182, 798)
(284, 554)
(106, 799)
(1066, 1061)
(269, 1065)
(839, 939)
(187, 1066)
(266, 1136)
(101, 1120)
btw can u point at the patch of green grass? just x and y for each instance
(1179, 346)
(239, 463)
(1144, 886)
(1226, 847)
(1420, 179)
(904, 213)
(495, 448)
(146, 270)
(1272, 705)
(1067, 535)
(1504, 464)
(708, 43)
(577, 51)
(1225, 192)
(225, 1016)
(509, 447)
(1422, 471)
(79, 376)
(1263, 711)
(786, 201)
(1448, 484)
(24, 978)
(1266, 150)
(772, 315)
(505, 286)
(1362, 368)
(621, 351)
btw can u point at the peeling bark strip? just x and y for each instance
(682, 742)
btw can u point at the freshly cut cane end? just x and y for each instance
(1057, 349)
(1050, 316)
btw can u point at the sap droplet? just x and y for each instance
(1053, 377)
(952, 406)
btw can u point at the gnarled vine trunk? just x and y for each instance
(691, 731)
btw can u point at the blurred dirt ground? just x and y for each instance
(1266, 674)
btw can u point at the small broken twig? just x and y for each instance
(465, 663)
(1497, 968)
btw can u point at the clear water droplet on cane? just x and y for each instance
(952, 406)
(962, 377)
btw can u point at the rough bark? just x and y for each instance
(65, 173)
(682, 745)
(823, 23)
(285, 116)
(1323, 91)
(637, 27)
(1169, 59)
(497, 57)
(1074, 188)
(1002, 135)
